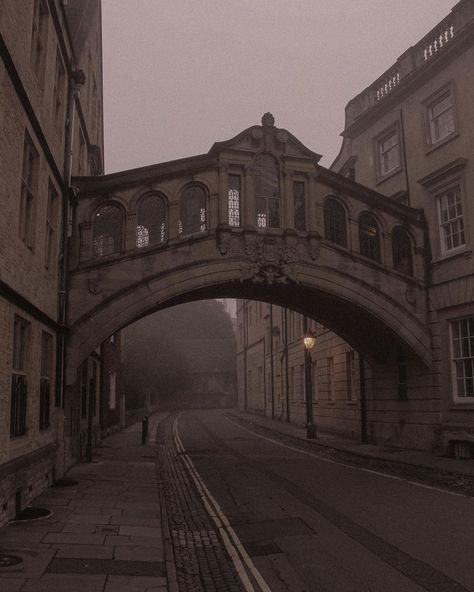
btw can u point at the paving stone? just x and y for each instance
(11, 585)
(136, 521)
(79, 528)
(84, 551)
(75, 538)
(139, 553)
(66, 583)
(84, 519)
(145, 531)
(107, 566)
(154, 507)
(134, 541)
(134, 584)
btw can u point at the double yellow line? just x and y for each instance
(243, 564)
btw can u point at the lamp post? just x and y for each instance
(309, 341)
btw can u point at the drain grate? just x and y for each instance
(9, 560)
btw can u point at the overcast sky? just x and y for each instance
(180, 75)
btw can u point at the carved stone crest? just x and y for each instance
(94, 287)
(269, 260)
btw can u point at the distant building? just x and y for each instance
(410, 136)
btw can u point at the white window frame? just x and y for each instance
(385, 152)
(457, 219)
(434, 137)
(454, 376)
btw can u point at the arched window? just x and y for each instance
(151, 221)
(267, 192)
(193, 215)
(107, 230)
(369, 237)
(335, 222)
(402, 251)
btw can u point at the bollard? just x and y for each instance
(144, 429)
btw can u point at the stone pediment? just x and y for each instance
(267, 138)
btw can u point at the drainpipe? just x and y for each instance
(287, 378)
(78, 80)
(245, 356)
(363, 407)
(272, 380)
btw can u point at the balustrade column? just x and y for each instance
(249, 211)
(223, 195)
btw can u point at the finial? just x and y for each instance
(268, 120)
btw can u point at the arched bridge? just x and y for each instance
(255, 217)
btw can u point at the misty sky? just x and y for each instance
(180, 75)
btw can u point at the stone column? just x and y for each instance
(287, 201)
(130, 241)
(248, 203)
(173, 220)
(85, 233)
(314, 221)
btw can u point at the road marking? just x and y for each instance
(335, 462)
(231, 541)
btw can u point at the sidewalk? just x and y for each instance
(384, 453)
(104, 533)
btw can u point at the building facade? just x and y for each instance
(410, 136)
(51, 124)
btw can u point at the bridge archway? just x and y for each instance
(234, 250)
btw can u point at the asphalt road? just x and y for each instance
(315, 525)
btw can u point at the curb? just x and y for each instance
(316, 444)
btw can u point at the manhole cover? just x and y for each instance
(31, 513)
(9, 560)
(64, 483)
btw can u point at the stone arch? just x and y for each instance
(193, 208)
(335, 221)
(108, 229)
(151, 219)
(347, 305)
(370, 231)
(402, 250)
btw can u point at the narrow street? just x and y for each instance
(311, 524)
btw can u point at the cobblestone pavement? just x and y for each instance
(202, 562)
(441, 472)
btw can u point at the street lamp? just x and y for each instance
(309, 340)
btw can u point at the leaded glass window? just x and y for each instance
(107, 230)
(299, 205)
(151, 221)
(402, 251)
(267, 193)
(234, 200)
(369, 237)
(193, 215)
(335, 222)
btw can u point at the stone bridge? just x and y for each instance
(256, 217)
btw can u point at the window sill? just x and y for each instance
(458, 252)
(385, 177)
(432, 147)
(458, 405)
